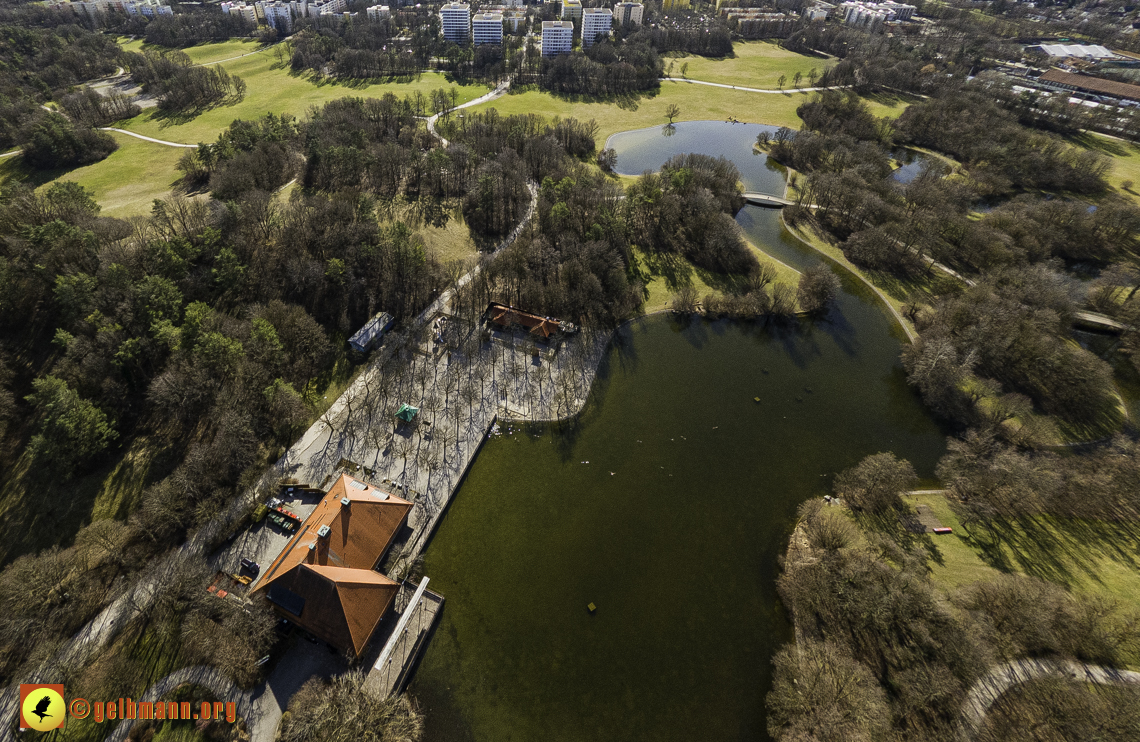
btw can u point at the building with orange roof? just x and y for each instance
(325, 579)
(509, 317)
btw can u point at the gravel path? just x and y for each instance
(989, 689)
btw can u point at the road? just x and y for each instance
(990, 688)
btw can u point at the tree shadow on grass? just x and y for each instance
(14, 170)
(1104, 145)
(1066, 551)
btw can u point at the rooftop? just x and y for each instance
(1093, 84)
(504, 316)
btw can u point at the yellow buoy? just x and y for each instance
(592, 607)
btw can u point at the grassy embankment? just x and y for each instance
(754, 64)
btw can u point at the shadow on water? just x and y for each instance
(666, 504)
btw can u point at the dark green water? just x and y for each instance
(673, 528)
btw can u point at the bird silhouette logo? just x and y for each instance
(42, 707)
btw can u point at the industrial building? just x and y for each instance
(1088, 85)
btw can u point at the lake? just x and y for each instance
(667, 504)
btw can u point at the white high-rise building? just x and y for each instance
(277, 14)
(595, 22)
(571, 10)
(246, 11)
(379, 12)
(487, 28)
(455, 21)
(628, 13)
(516, 18)
(557, 37)
(326, 7)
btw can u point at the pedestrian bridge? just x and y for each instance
(763, 199)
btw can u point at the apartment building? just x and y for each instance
(571, 10)
(628, 14)
(515, 18)
(595, 22)
(379, 12)
(557, 37)
(667, 5)
(487, 28)
(245, 10)
(277, 14)
(455, 22)
(327, 7)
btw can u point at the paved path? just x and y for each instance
(499, 91)
(990, 688)
(749, 90)
(148, 139)
(207, 677)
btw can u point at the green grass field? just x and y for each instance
(756, 64)
(125, 184)
(1084, 556)
(697, 103)
(202, 53)
(272, 89)
(1125, 158)
(664, 275)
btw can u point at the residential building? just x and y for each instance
(379, 12)
(757, 23)
(874, 14)
(455, 21)
(627, 14)
(487, 28)
(595, 22)
(245, 10)
(147, 8)
(510, 319)
(516, 18)
(557, 37)
(571, 10)
(325, 580)
(326, 7)
(277, 14)
(667, 5)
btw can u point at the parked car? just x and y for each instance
(251, 566)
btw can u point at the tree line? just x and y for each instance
(179, 85)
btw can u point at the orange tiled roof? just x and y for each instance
(505, 316)
(332, 575)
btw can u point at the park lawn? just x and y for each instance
(663, 275)
(890, 289)
(1125, 158)
(450, 242)
(697, 103)
(125, 184)
(271, 88)
(756, 64)
(201, 53)
(1082, 555)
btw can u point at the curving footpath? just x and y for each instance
(499, 91)
(749, 90)
(147, 139)
(207, 677)
(990, 688)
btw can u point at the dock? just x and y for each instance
(392, 669)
